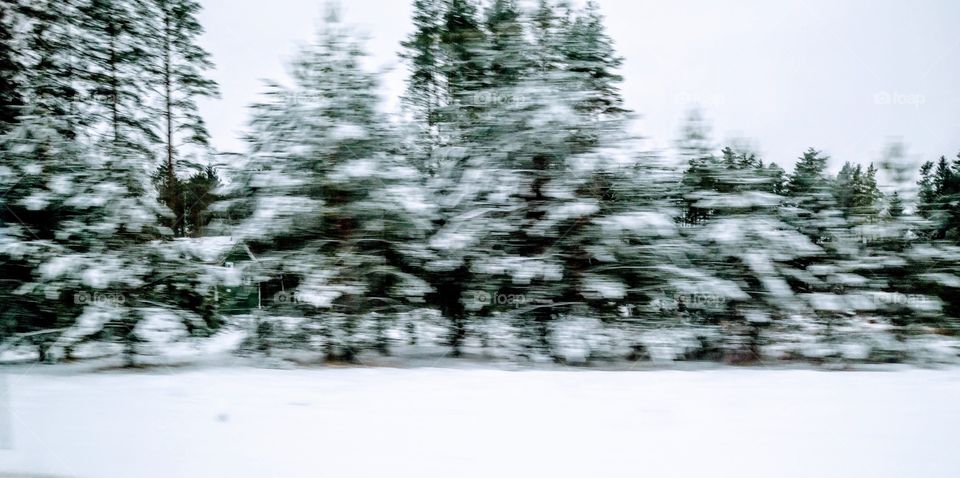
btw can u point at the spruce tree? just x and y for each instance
(463, 62)
(551, 23)
(79, 224)
(693, 148)
(939, 196)
(778, 179)
(746, 256)
(336, 212)
(895, 207)
(589, 53)
(856, 192)
(541, 177)
(809, 191)
(927, 194)
(843, 187)
(41, 154)
(505, 30)
(808, 175)
(178, 66)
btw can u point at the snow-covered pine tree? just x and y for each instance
(200, 192)
(946, 199)
(596, 190)
(515, 146)
(897, 260)
(336, 212)
(536, 179)
(634, 261)
(811, 206)
(856, 192)
(519, 162)
(745, 257)
(11, 105)
(589, 54)
(778, 179)
(505, 32)
(933, 256)
(696, 152)
(39, 149)
(926, 195)
(871, 196)
(79, 223)
(840, 284)
(464, 57)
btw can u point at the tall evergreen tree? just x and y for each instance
(79, 235)
(939, 197)
(40, 154)
(550, 24)
(336, 212)
(812, 207)
(809, 173)
(844, 187)
(694, 148)
(748, 256)
(927, 194)
(463, 62)
(589, 53)
(178, 65)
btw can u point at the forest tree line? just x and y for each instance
(508, 210)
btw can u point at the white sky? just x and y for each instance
(844, 76)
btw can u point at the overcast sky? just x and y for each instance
(844, 76)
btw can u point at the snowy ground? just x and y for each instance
(240, 422)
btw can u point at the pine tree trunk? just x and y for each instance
(168, 116)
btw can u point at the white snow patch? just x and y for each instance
(242, 422)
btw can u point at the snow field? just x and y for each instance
(239, 422)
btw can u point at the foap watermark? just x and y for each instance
(487, 98)
(300, 98)
(896, 98)
(701, 300)
(896, 299)
(683, 302)
(286, 297)
(485, 298)
(99, 298)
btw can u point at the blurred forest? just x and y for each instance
(507, 213)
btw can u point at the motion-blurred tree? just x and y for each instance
(338, 214)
